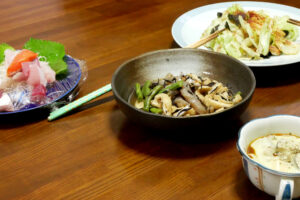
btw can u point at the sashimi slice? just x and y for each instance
(48, 71)
(36, 76)
(19, 77)
(10, 55)
(6, 103)
(38, 93)
(26, 68)
(16, 64)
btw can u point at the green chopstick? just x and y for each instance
(63, 110)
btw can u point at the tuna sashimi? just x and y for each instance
(6, 103)
(38, 93)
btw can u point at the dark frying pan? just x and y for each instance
(154, 65)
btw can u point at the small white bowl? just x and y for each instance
(282, 185)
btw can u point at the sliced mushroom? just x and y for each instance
(138, 104)
(221, 99)
(174, 109)
(216, 104)
(165, 101)
(214, 89)
(210, 109)
(173, 93)
(204, 89)
(237, 98)
(182, 111)
(180, 102)
(156, 103)
(206, 81)
(192, 99)
(219, 110)
(191, 112)
(199, 95)
(225, 96)
(193, 80)
(169, 77)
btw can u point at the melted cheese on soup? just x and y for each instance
(279, 152)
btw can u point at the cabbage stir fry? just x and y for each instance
(252, 34)
(184, 95)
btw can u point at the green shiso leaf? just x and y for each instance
(3, 47)
(52, 52)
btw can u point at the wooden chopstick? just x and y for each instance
(293, 21)
(205, 40)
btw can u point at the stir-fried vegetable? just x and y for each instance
(252, 34)
(148, 99)
(156, 110)
(173, 86)
(185, 95)
(138, 91)
(146, 89)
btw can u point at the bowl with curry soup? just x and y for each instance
(270, 149)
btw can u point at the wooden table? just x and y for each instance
(96, 153)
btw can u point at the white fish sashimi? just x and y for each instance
(48, 71)
(6, 82)
(6, 103)
(9, 56)
(36, 75)
(19, 76)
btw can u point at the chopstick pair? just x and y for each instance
(293, 21)
(206, 39)
(215, 34)
(63, 110)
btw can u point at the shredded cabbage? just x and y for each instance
(252, 34)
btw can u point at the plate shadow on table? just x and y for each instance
(177, 144)
(22, 119)
(246, 190)
(90, 105)
(174, 45)
(276, 75)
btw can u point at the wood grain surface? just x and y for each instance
(95, 152)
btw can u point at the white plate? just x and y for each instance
(189, 27)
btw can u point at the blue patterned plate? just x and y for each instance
(57, 91)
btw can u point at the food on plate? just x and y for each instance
(252, 34)
(26, 74)
(279, 152)
(184, 95)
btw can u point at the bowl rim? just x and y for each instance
(252, 77)
(244, 155)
